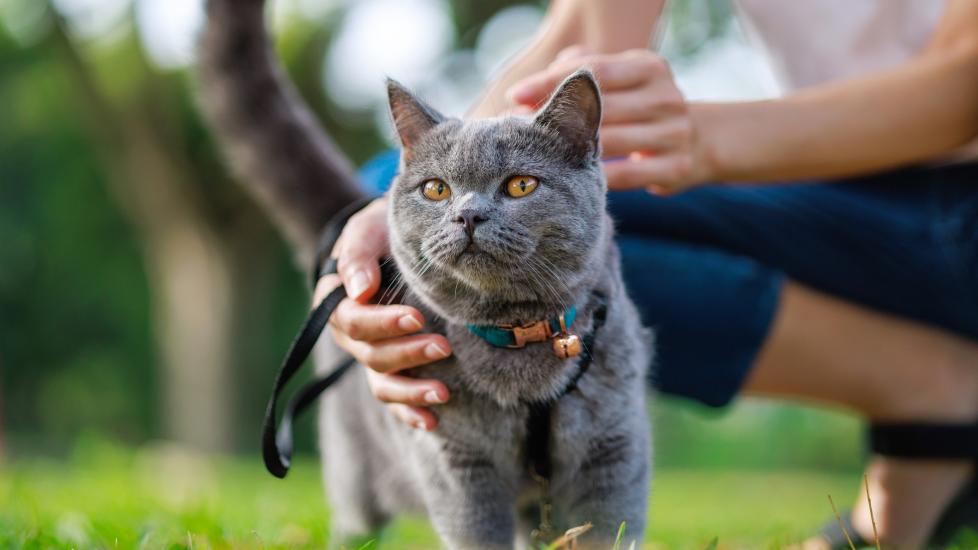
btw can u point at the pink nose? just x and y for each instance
(469, 219)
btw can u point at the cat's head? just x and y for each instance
(503, 217)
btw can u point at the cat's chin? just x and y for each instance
(476, 261)
(462, 305)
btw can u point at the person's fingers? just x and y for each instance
(359, 249)
(370, 322)
(393, 388)
(641, 104)
(619, 71)
(572, 52)
(416, 417)
(396, 354)
(670, 173)
(620, 140)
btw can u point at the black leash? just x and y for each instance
(277, 444)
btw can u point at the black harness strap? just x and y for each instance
(537, 447)
(539, 460)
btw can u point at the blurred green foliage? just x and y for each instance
(74, 329)
(78, 350)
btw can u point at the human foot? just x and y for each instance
(909, 493)
(908, 498)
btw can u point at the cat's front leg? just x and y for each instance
(470, 505)
(610, 487)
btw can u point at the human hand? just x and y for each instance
(648, 135)
(382, 337)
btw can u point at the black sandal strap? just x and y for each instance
(836, 539)
(923, 440)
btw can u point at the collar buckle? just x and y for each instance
(525, 334)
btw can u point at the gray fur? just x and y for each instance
(537, 255)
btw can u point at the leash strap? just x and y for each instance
(277, 442)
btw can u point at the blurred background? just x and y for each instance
(145, 299)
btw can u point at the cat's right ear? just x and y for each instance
(412, 117)
(574, 112)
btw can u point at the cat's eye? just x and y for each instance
(521, 186)
(436, 190)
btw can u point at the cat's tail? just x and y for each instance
(269, 136)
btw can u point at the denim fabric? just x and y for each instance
(705, 267)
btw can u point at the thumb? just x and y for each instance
(361, 245)
(361, 279)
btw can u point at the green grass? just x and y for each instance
(163, 497)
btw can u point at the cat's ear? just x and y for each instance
(412, 117)
(574, 112)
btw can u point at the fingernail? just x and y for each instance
(435, 351)
(358, 284)
(409, 323)
(431, 396)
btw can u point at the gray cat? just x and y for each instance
(549, 249)
(492, 222)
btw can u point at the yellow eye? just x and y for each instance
(521, 186)
(436, 190)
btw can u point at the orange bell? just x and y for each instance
(567, 345)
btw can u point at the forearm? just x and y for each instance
(607, 26)
(917, 112)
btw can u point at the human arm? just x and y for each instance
(918, 111)
(607, 26)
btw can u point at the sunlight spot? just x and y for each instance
(93, 18)
(504, 34)
(168, 30)
(377, 38)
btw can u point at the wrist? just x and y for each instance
(707, 152)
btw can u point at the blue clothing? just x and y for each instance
(705, 267)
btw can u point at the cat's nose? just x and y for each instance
(470, 218)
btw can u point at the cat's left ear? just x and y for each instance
(412, 117)
(574, 112)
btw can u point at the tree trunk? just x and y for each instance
(187, 262)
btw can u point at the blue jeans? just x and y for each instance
(705, 267)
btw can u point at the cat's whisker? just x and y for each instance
(551, 280)
(397, 285)
(391, 291)
(539, 278)
(554, 271)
